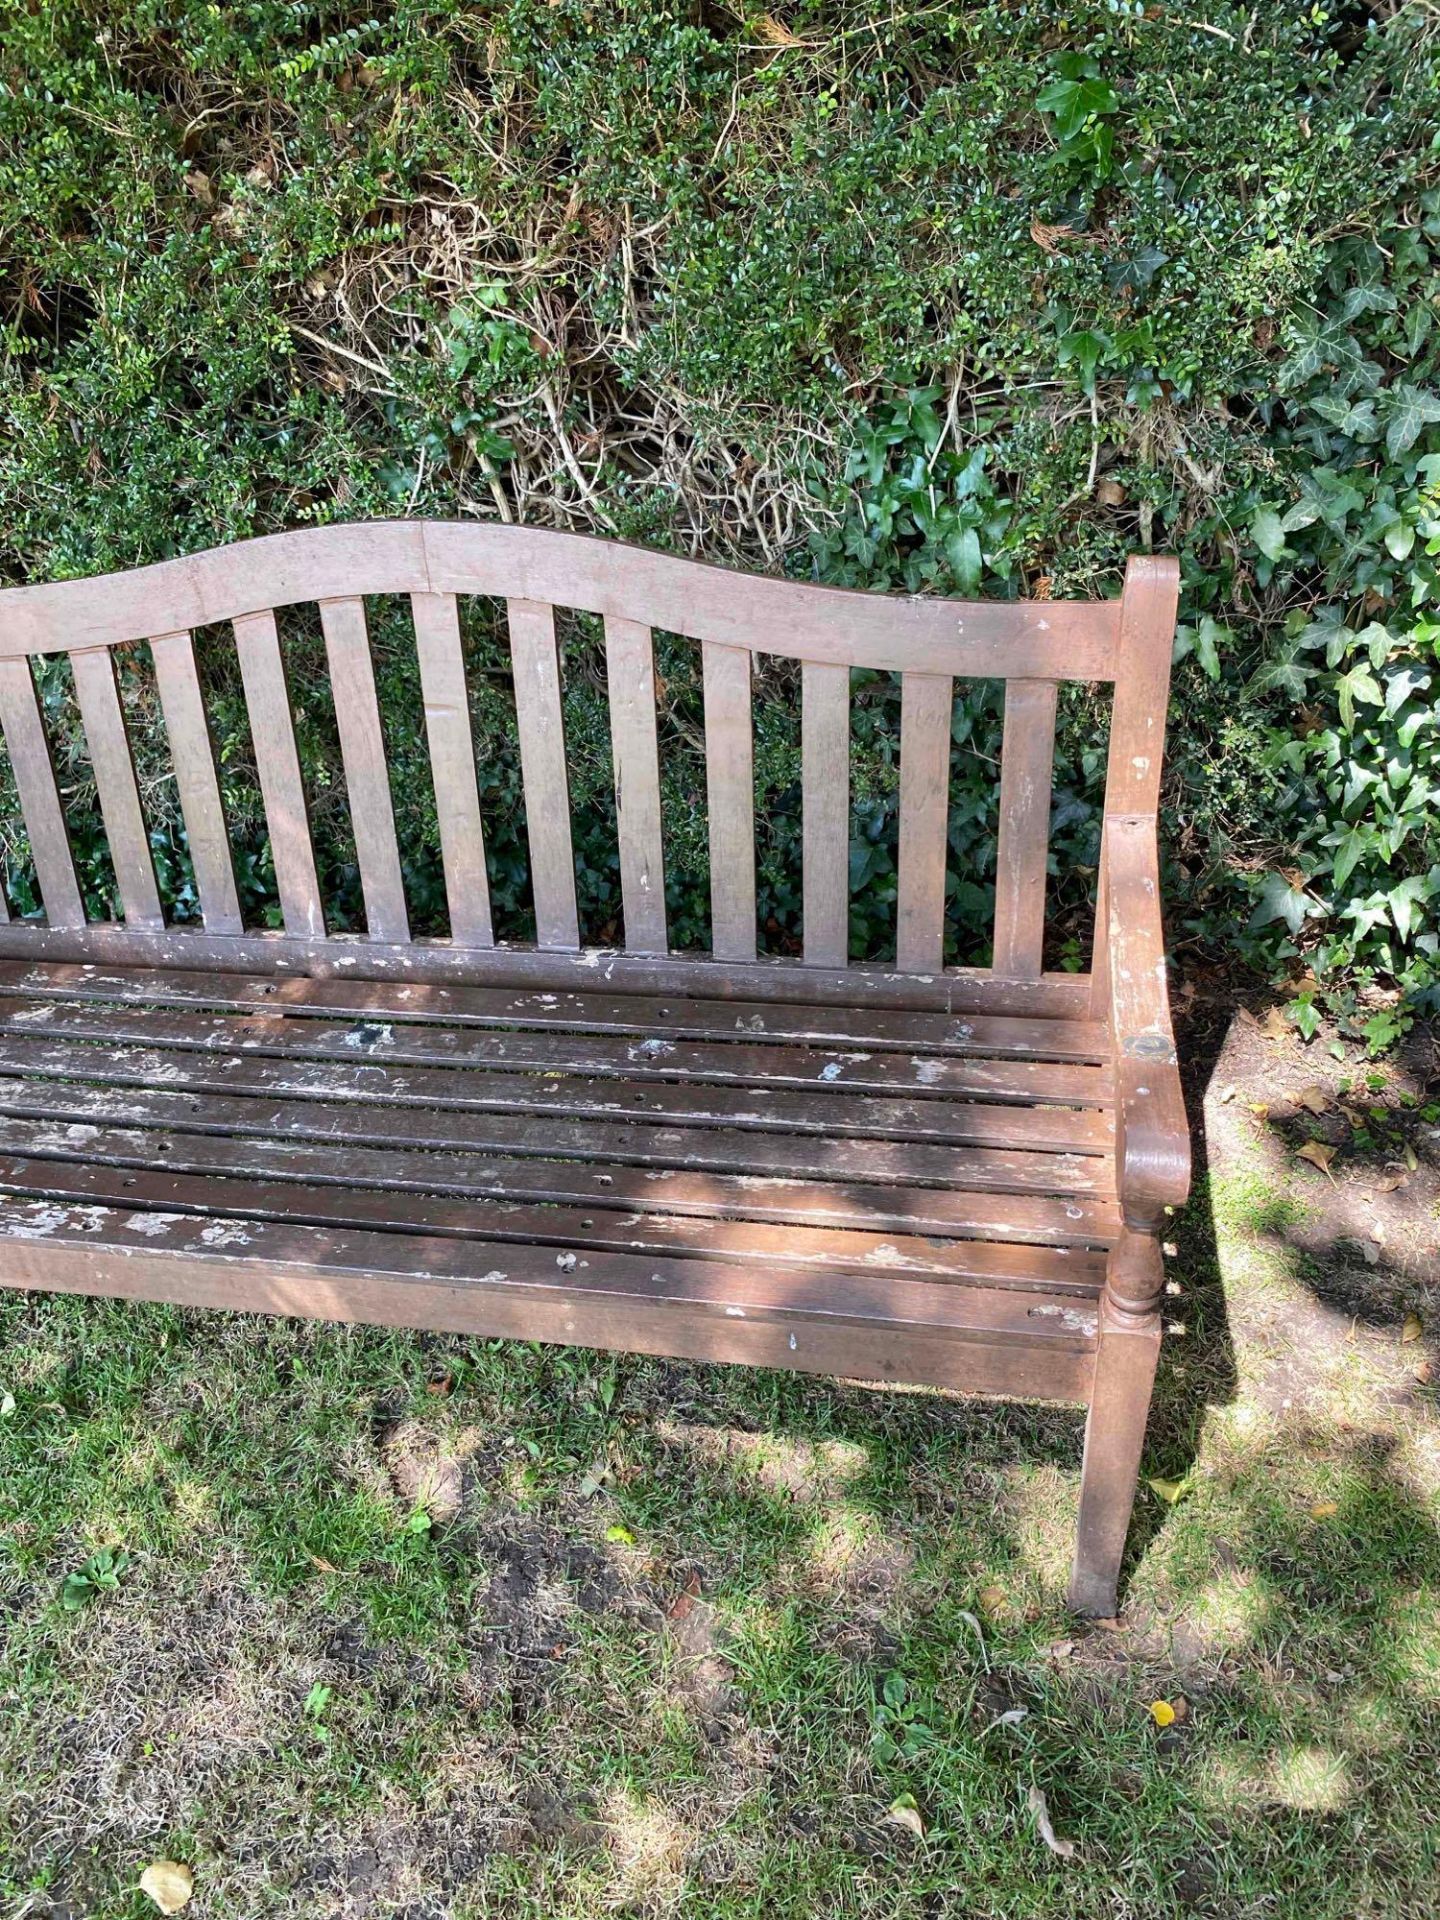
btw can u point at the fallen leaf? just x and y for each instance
(775, 33)
(442, 1384)
(1317, 1153)
(1410, 1160)
(1324, 1509)
(1391, 1182)
(686, 1598)
(621, 1536)
(321, 1564)
(1412, 1329)
(1182, 1708)
(168, 1883)
(1010, 1718)
(1275, 1026)
(1260, 1109)
(1044, 235)
(1170, 1490)
(1060, 1649)
(1247, 1018)
(1040, 1808)
(903, 1812)
(1315, 1098)
(1110, 493)
(1226, 1095)
(1162, 1713)
(993, 1602)
(1422, 1373)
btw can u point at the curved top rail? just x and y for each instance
(1033, 639)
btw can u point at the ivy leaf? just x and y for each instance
(1085, 349)
(1410, 410)
(1268, 533)
(1072, 102)
(1280, 901)
(962, 550)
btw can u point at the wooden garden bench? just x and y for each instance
(952, 1177)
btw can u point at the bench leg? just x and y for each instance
(1115, 1430)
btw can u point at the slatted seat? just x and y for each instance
(942, 1176)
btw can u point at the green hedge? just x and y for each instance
(964, 299)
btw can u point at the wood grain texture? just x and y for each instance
(541, 727)
(277, 761)
(825, 765)
(367, 776)
(30, 761)
(985, 639)
(452, 766)
(926, 703)
(1027, 759)
(630, 674)
(98, 697)
(192, 752)
(730, 796)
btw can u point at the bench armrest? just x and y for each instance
(1152, 1137)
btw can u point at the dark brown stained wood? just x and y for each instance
(98, 697)
(1153, 1134)
(367, 778)
(1035, 640)
(29, 749)
(766, 1109)
(869, 1303)
(718, 1149)
(958, 990)
(1074, 1271)
(277, 761)
(630, 675)
(926, 704)
(452, 766)
(922, 1076)
(1074, 1220)
(193, 753)
(730, 795)
(541, 727)
(825, 762)
(644, 1015)
(1027, 758)
(494, 1304)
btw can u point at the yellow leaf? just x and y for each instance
(168, 1884)
(1275, 1025)
(622, 1536)
(1324, 1509)
(1317, 1153)
(1411, 1331)
(993, 1601)
(903, 1812)
(1169, 1490)
(1162, 1713)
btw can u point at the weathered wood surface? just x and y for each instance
(452, 766)
(29, 749)
(97, 694)
(193, 755)
(277, 761)
(982, 639)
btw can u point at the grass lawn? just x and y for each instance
(416, 1627)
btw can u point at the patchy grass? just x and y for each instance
(417, 1627)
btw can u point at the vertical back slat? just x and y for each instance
(825, 764)
(630, 671)
(926, 700)
(1027, 758)
(367, 775)
(29, 749)
(541, 726)
(730, 795)
(277, 761)
(452, 765)
(193, 753)
(101, 714)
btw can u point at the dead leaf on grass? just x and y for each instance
(1411, 1330)
(993, 1602)
(1169, 1490)
(903, 1812)
(1040, 1808)
(1010, 1718)
(1324, 1509)
(168, 1883)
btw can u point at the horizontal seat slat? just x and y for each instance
(645, 1015)
(437, 1089)
(987, 1339)
(1076, 1271)
(727, 1062)
(723, 1149)
(1076, 1220)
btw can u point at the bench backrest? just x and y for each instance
(1030, 645)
